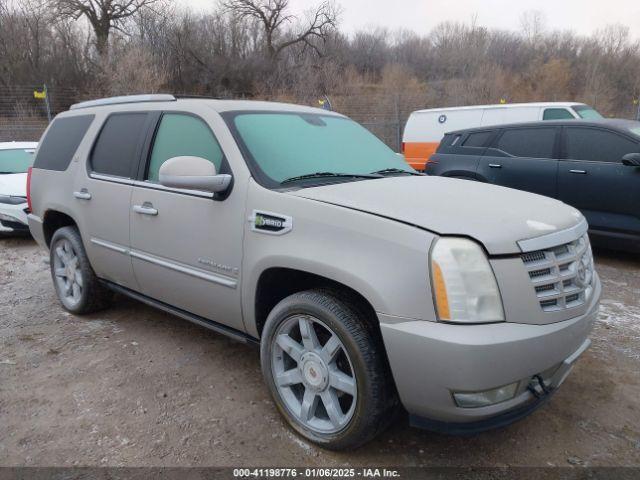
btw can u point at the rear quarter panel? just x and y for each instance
(424, 131)
(453, 165)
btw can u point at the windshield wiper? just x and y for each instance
(385, 171)
(328, 175)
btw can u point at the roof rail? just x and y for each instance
(196, 97)
(161, 97)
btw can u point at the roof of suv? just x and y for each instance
(616, 123)
(503, 105)
(137, 102)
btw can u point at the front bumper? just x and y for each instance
(13, 218)
(431, 360)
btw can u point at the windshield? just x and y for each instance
(15, 161)
(635, 130)
(586, 112)
(286, 145)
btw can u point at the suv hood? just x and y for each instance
(13, 184)
(497, 217)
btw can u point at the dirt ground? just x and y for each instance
(133, 386)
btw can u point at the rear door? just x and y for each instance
(187, 245)
(593, 179)
(524, 159)
(102, 194)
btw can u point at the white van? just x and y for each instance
(425, 128)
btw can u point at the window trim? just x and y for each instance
(145, 160)
(564, 151)
(139, 148)
(555, 153)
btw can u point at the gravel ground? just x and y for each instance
(132, 386)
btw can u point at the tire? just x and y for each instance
(351, 374)
(78, 289)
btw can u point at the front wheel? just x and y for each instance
(326, 370)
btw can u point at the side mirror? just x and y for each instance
(631, 160)
(193, 173)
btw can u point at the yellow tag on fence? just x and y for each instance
(40, 95)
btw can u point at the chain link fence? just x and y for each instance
(24, 117)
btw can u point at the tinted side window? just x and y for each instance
(528, 142)
(116, 151)
(182, 135)
(61, 142)
(557, 114)
(597, 145)
(477, 139)
(449, 140)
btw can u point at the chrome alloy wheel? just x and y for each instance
(67, 273)
(313, 374)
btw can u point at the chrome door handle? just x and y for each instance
(581, 172)
(145, 209)
(82, 194)
(495, 165)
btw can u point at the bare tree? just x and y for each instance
(533, 23)
(103, 15)
(273, 18)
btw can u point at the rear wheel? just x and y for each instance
(326, 370)
(76, 284)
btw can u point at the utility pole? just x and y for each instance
(398, 125)
(46, 102)
(44, 95)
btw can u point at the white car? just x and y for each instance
(15, 160)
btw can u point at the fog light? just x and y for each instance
(488, 397)
(8, 218)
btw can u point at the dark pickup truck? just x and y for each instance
(591, 165)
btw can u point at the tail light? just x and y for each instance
(402, 147)
(29, 189)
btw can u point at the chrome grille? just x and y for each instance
(562, 276)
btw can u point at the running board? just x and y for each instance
(198, 320)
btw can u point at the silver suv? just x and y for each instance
(365, 284)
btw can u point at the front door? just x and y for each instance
(593, 179)
(524, 159)
(186, 246)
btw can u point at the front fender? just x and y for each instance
(383, 260)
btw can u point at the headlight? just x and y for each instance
(8, 200)
(464, 286)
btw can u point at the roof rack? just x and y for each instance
(196, 97)
(161, 97)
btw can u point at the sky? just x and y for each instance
(580, 16)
